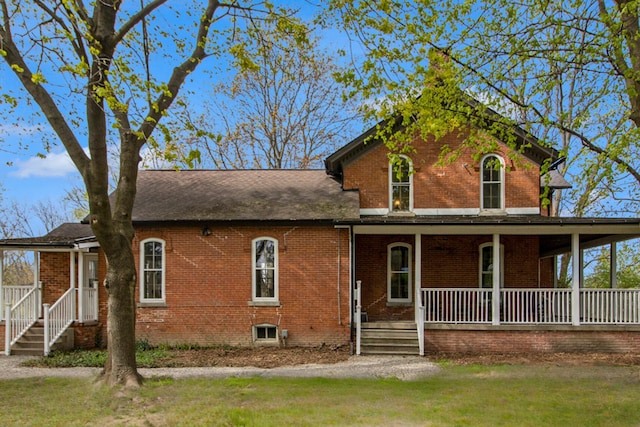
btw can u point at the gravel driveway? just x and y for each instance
(405, 368)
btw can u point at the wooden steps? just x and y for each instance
(389, 338)
(32, 342)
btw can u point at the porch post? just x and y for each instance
(37, 283)
(613, 265)
(497, 274)
(576, 265)
(81, 280)
(1, 279)
(417, 282)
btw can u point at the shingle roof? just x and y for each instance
(215, 195)
(66, 235)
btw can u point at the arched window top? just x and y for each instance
(264, 253)
(401, 184)
(492, 182)
(399, 273)
(152, 270)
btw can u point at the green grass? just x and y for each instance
(458, 396)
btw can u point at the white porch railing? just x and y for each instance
(13, 294)
(20, 317)
(58, 317)
(531, 306)
(89, 305)
(609, 306)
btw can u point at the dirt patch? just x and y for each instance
(259, 357)
(272, 357)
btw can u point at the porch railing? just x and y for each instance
(13, 294)
(20, 317)
(531, 306)
(89, 305)
(58, 317)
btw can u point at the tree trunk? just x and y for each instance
(121, 367)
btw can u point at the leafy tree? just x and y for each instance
(559, 69)
(101, 73)
(285, 110)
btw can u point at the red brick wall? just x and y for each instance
(542, 341)
(447, 262)
(456, 185)
(54, 275)
(208, 286)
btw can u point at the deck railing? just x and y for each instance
(531, 306)
(13, 294)
(20, 317)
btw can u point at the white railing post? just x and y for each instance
(358, 315)
(47, 334)
(420, 325)
(7, 329)
(575, 284)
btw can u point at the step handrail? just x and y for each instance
(58, 317)
(19, 318)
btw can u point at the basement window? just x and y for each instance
(265, 334)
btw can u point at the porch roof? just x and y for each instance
(66, 236)
(555, 232)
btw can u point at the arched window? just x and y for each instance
(152, 270)
(492, 187)
(401, 185)
(265, 269)
(399, 272)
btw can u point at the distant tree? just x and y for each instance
(109, 71)
(627, 271)
(284, 110)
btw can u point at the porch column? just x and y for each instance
(36, 282)
(1, 281)
(613, 265)
(81, 280)
(576, 266)
(417, 282)
(496, 274)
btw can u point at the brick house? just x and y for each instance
(362, 253)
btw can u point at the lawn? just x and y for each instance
(458, 396)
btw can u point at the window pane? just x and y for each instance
(400, 197)
(399, 259)
(399, 285)
(265, 283)
(491, 196)
(153, 284)
(401, 172)
(265, 253)
(487, 267)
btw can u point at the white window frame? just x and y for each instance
(254, 267)
(501, 182)
(392, 184)
(144, 270)
(390, 247)
(481, 272)
(266, 340)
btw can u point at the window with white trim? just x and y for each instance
(266, 334)
(492, 186)
(264, 253)
(486, 265)
(401, 185)
(399, 272)
(152, 270)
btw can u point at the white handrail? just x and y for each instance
(58, 317)
(20, 317)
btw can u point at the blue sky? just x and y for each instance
(28, 178)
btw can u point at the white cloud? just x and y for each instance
(54, 165)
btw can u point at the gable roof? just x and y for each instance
(245, 195)
(335, 162)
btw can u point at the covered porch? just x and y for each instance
(54, 301)
(457, 284)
